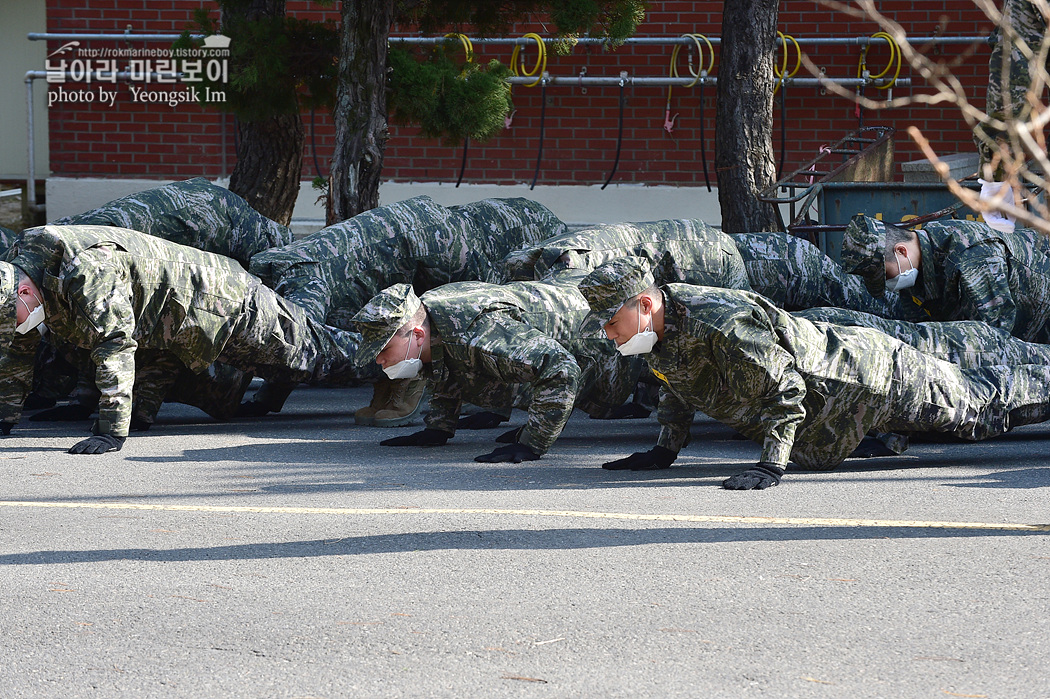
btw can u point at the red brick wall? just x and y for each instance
(157, 141)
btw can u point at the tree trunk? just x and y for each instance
(360, 109)
(744, 118)
(269, 151)
(269, 165)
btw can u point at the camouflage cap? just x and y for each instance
(864, 252)
(608, 286)
(381, 318)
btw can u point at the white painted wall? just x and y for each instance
(17, 55)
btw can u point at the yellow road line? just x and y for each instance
(719, 519)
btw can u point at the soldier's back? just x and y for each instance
(195, 213)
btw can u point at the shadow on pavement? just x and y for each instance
(497, 539)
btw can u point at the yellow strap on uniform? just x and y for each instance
(541, 60)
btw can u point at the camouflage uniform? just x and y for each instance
(967, 271)
(114, 291)
(794, 274)
(607, 379)
(201, 215)
(334, 272)
(1025, 19)
(7, 239)
(486, 337)
(193, 212)
(683, 250)
(809, 392)
(968, 343)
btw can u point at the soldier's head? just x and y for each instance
(395, 332)
(625, 304)
(903, 258)
(871, 249)
(21, 302)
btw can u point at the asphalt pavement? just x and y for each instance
(291, 556)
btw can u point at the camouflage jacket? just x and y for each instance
(486, 337)
(970, 271)
(335, 271)
(7, 239)
(112, 290)
(794, 274)
(803, 391)
(194, 212)
(679, 251)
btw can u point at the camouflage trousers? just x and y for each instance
(967, 343)
(1009, 100)
(925, 394)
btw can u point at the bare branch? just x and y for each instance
(1013, 140)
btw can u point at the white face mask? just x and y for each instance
(35, 318)
(406, 368)
(641, 342)
(903, 280)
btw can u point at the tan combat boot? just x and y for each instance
(404, 404)
(380, 395)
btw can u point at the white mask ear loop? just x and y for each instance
(34, 317)
(648, 324)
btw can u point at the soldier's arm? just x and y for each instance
(309, 291)
(984, 284)
(100, 291)
(16, 376)
(510, 352)
(445, 406)
(761, 375)
(675, 417)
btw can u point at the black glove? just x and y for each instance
(99, 444)
(35, 401)
(655, 458)
(5, 428)
(481, 421)
(73, 412)
(423, 438)
(251, 408)
(139, 424)
(510, 436)
(627, 411)
(870, 448)
(759, 477)
(514, 453)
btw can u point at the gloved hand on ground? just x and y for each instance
(423, 438)
(655, 458)
(98, 444)
(512, 453)
(759, 477)
(251, 408)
